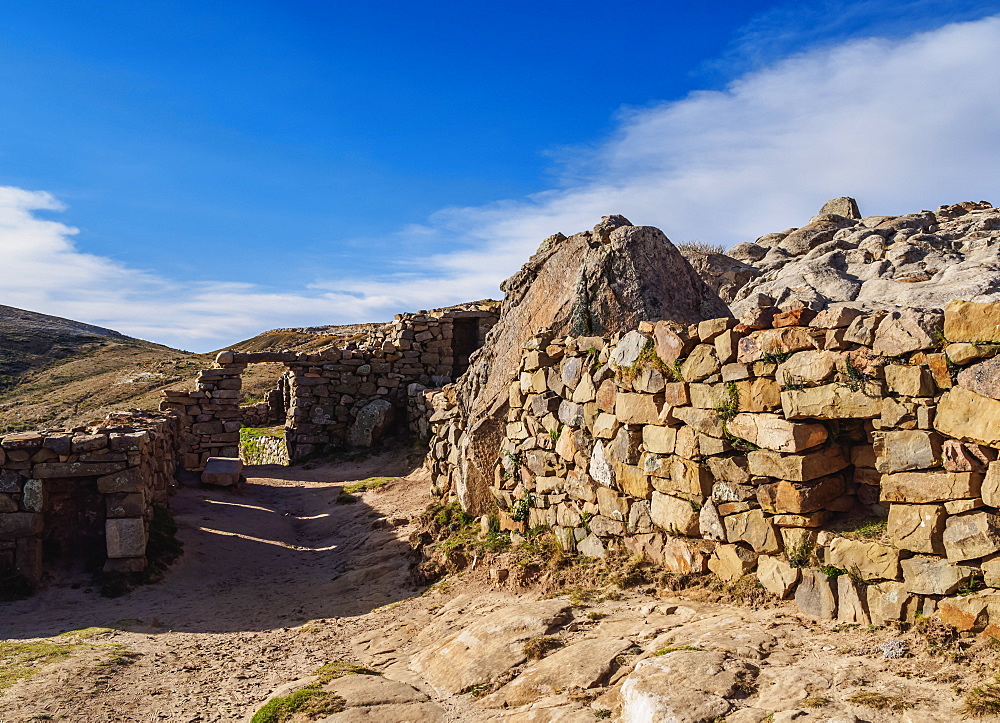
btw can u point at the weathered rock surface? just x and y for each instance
(592, 283)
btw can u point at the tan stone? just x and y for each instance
(934, 576)
(969, 416)
(633, 481)
(971, 612)
(909, 381)
(816, 595)
(760, 345)
(811, 367)
(674, 515)
(991, 571)
(971, 535)
(917, 528)
(796, 467)
(923, 487)
(675, 394)
(605, 426)
(800, 497)
(726, 346)
(852, 601)
(907, 450)
(631, 408)
(659, 440)
(731, 562)
(830, 401)
(777, 576)
(991, 485)
(704, 421)
(875, 561)
(963, 352)
(700, 364)
(711, 328)
(708, 396)
(670, 345)
(888, 600)
(907, 330)
(773, 432)
(811, 520)
(688, 479)
(758, 395)
(754, 529)
(972, 321)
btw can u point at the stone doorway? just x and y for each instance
(466, 339)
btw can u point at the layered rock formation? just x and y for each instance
(601, 282)
(918, 260)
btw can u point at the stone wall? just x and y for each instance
(865, 444)
(86, 493)
(346, 395)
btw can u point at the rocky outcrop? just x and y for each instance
(920, 260)
(596, 283)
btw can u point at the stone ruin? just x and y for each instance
(843, 450)
(86, 497)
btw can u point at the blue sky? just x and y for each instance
(193, 173)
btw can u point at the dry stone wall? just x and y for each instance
(864, 444)
(88, 491)
(347, 395)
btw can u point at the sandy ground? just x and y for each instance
(277, 579)
(219, 633)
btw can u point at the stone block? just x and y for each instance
(626, 354)
(796, 467)
(222, 471)
(934, 576)
(777, 576)
(909, 381)
(754, 529)
(773, 432)
(129, 480)
(125, 505)
(972, 613)
(687, 478)
(830, 401)
(659, 440)
(917, 528)
(889, 600)
(990, 490)
(14, 525)
(972, 321)
(125, 537)
(50, 470)
(632, 408)
(925, 487)
(907, 450)
(611, 504)
(761, 345)
(670, 344)
(874, 561)
(700, 364)
(710, 523)
(906, 331)
(852, 601)
(799, 498)
(965, 415)
(982, 378)
(811, 368)
(731, 562)
(633, 481)
(29, 441)
(971, 535)
(674, 515)
(816, 595)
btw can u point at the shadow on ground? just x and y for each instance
(276, 553)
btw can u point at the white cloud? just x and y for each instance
(898, 124)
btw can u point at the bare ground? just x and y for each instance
(277, 579)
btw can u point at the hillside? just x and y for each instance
(57, 372)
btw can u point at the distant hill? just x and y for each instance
(56, 372)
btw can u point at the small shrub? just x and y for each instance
(982, 701)
(815, 701)
(832, 572)
(701, 248)
(675, 648)
(338, 669)
(344, 498)
(878, 701)
(538, 648)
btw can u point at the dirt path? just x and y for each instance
(220, 632)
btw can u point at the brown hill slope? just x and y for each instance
(56, 372)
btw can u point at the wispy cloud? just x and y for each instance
(901, 124)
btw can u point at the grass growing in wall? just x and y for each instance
(649, 358)
(252, 447)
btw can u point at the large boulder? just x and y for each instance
(595, 283)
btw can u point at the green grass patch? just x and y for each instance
(675, 648)
(865, 529)
(308, 702)
(21, 660)
(338, 669)
(372, 483)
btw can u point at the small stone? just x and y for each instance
(731, 562)
(777, 576)
(816, 595)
